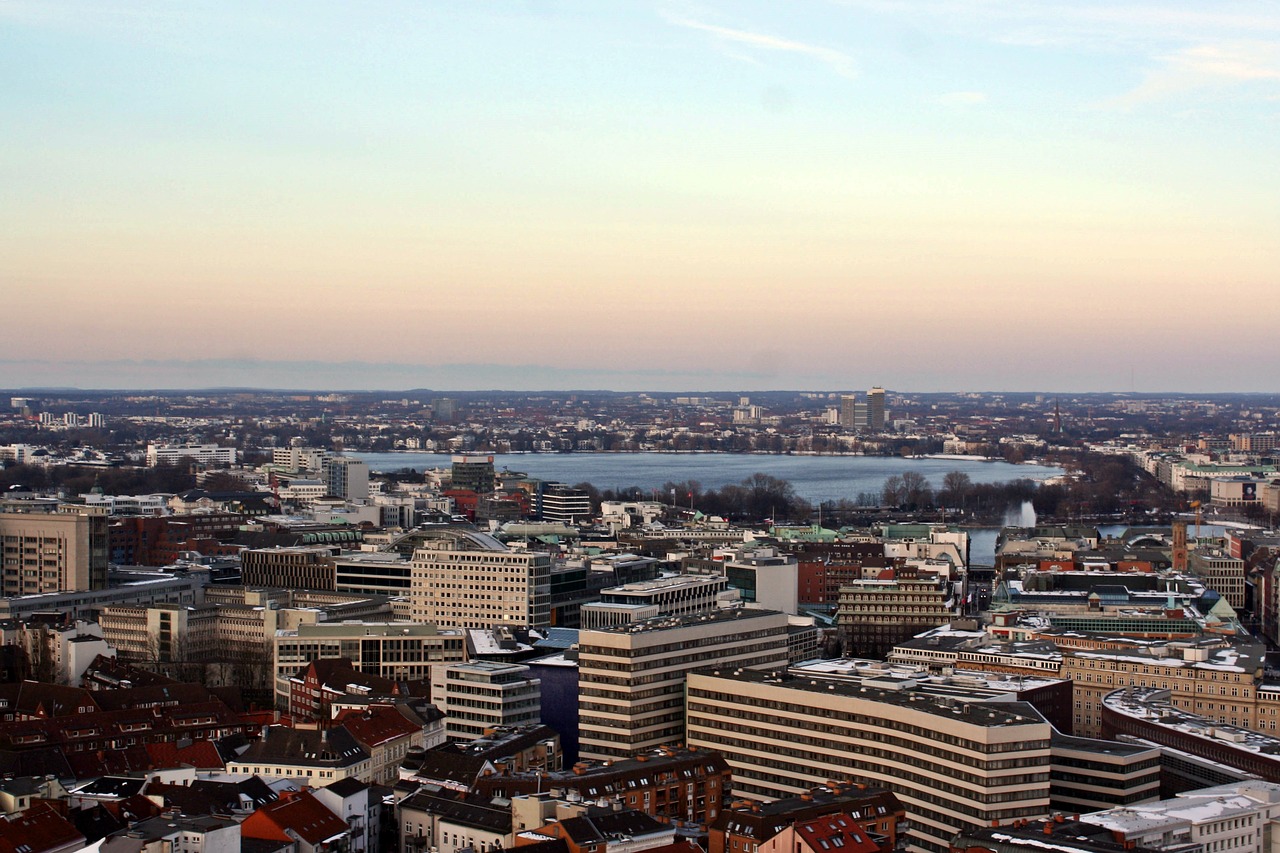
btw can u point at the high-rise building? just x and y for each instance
(632, 677)
(875, 407)
(474, 473)
(462, 578)
(51, 547)
(347, 478)
(848, 410)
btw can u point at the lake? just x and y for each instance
(815, 478)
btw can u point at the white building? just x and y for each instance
(204, 454)
(632, 678)
(462, 578)
(1240, 817)
(478, 697)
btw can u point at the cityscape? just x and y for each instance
(653, 426)
(358, 621)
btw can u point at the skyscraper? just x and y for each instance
(875, 405)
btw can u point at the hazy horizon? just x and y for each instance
(364, 377)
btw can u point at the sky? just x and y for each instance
(925, 195)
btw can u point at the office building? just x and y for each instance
(563, 504)
(296, 567)
(462, 578)
(953, 764)
(50, 547)
(404, 651)
(875, 409)
(347, 478)
(631, 677)
(875, 615)
(764, 576)
(674, 595)
(481, 696)
(474, 473)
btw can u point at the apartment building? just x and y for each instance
(51, 547)
(952, 764)
(462, 578)
(632, 677)
(210, 455)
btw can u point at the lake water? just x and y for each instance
(815, 478)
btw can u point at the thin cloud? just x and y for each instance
(962, 99)
(839, 62)
(1205, 66)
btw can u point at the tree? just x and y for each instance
(918, 494)
(892, 493)
(956, 485)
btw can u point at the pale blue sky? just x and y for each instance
(924, 195)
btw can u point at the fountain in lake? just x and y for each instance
(1020, 516)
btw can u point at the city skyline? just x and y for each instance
(658, 196)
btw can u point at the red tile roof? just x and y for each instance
(302, 813)
(37, 830)
(835, 833)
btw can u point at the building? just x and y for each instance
(673, 784)
(307, 756)
(447, 823)
(353, 802)
(749, 824)
(462, 578)
(875, 615)
(563, 504)
(953, 764)
(205, 455)
(480, 696)
(301, 821)
(764, 576)
(156, 588)
(673, 595)
(297, 567)
(347, 478)
(875, 409)
(849, 411)
(50, 547)
(296, 458)
(1222, 573)
(1149, 715)
(1238, 818)
(474, 473)
(632, 677)
(397, 650)
(176, 833)
(1217, 678)
(372, 573)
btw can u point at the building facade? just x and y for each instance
(632, 678)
